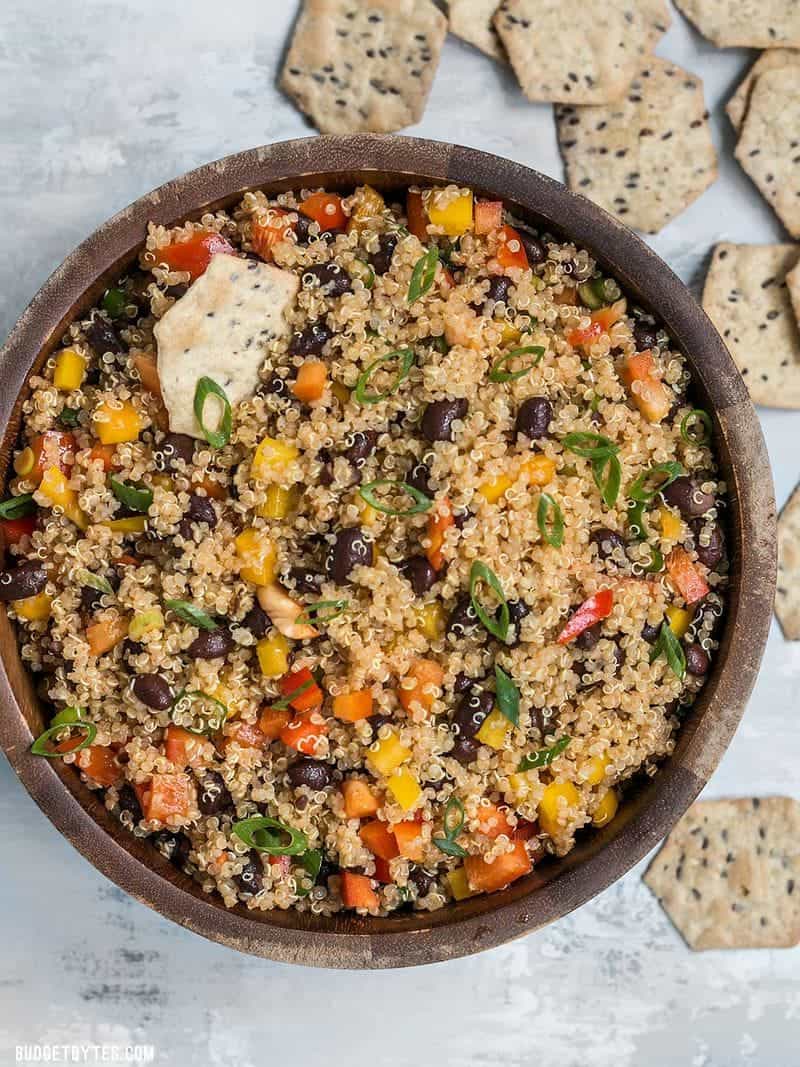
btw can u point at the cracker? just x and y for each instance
(793, 285)
(220, 329)
(772, 59)
(728, 875)
(471, 20)
(364, 65)
(769, 143)
(787, 596)
(747, 299)
(647, 157)
(560, 54)
(745, 23)
(658, 20)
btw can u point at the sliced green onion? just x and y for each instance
(94, 581)
(316, 613)
(544, 756)
(609, 487)
(589, 297)
(211, 722)
(589, 445)
(133, 497)
(16, 507)
(554, 533)
(498, 374)
(66, 716)
(363, 272)
(69, 417)
(367, 493)
(268, 835)
(423, 275)
(656, 564)
(670, 647)
(599, 292)
(311, 862)
(114, 303)
(696, 417)
(637, 527)
(507, 695)
(498, 628)
(449, 847)
(643, 490)
(453, 822)
(406, 357)
(40, 745)
(438, 344)
(207, 387)
(285, 702)
(189, 613)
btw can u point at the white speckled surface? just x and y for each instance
(100, 100)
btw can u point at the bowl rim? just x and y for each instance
(458, 930)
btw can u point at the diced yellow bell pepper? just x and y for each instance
(272, 455)
(24, 462)
(509, 334)
(369, 206)
(405, 789)
(146, 622)
(679, 620)
(606, 809)
(550, 808)
(494, 731)
(115, 425)
(455, 218)
(388, 755)
(256, 551)
(69, 370)
(133, 524)
(430, 619)
(54, 486)
(33, 608)
(593, 771)
(459, 886)
(492, 491)
(540, 470)
(279, 502)
(520, 783)
(273, 656)
(341, 392)
(163, 481)
(671, 525)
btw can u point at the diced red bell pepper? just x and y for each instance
(245, 734)
(325, 209)
(195, 254)
(485, 877)
(410, 839)
(382, 872)
(105, 454)
(167, 795)
(51, 449)
(273, 721)
(311, 695)
(303, 734)
(648, 392)
(183, 748)
(525, 830)
(283, 863)
(686, 576)
(15, 529)
(593, 610)
(357, 891)
(417, 217)
(488, 215)
(439, 523)
(99, 763)
(270, 230)
(511, 251)
(601, 322)
(492, 821)
(379, 839)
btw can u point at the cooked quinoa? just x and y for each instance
(444, 580)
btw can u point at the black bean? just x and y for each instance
(309, 772)
(250, 880)
(90, 598)
(463, 618)
(685, 495)
(460, 516)
(377, 721)
(645, 335)
(697, 661)
(153, 690)
(329, 278)
(471, 711)
(174, 448)
(534, 248)
(201, 510)
(589, 638)
(257, 621)
(305, 580)
(650, 633)
(26, 580)
(178, 290)
(213, 796)
(462, 684)
(517, 610)
(301, 229)
(326, 870)
(131, 648)
(210, 644)
(103, 338)
(465, 749)
(437, 422)
(173, 845)
(326, 470)
(418, 478)
(422, 880)
(277, 386)
(710, 555)
(609, 542)
(129, 802)
(381, 261)
(498, 288)
(311, 340)
(420, 574)
(534, 418)
(351, 549)
(360, 446)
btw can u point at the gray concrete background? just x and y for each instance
(100, 100)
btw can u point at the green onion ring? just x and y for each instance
(555, 534)
(479, 572)
(207, 387)
(16, 507)
(609, 489)
(367, 493)
(265, 834)
(406, 356)
(189, 613)
(423, 275)
(315, 613)
(696, 415)
(544, 756)
(639, 492)
(39, 746)
(589, 445)
(497, 374)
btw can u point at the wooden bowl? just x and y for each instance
(652, 806)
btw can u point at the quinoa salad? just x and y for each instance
(363, 548)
